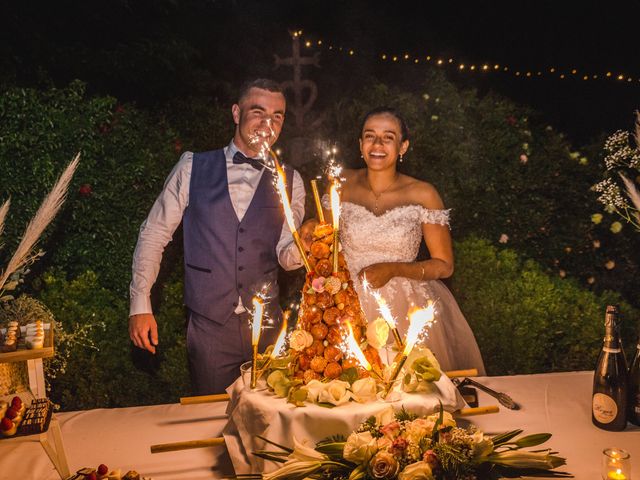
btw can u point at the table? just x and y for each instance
(558, 403)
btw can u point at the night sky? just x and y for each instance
(141, 50)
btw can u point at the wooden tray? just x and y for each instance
(28, 398)
(22, 353)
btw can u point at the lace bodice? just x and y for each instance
(393, 236)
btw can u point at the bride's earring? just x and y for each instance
(401, 159)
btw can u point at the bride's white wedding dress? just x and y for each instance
(395, 236)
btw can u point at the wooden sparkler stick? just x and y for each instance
(468, 412)
(189, 444)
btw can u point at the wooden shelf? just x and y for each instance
(23, 354)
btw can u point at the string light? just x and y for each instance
(552, 71)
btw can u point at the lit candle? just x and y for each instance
(281, 185)
(258, 311)
(616, 475)
(316, 197)
(354, 349)
(418, 319)
(335, 213)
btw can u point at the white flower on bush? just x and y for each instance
(300, 339)
(335, 392)
(314, 387)
(359, 447)
(416, 471)
(378, 333)
(364, 390)
(385, 416)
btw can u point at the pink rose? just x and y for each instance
(399, 445)
(318, 284)
(431, 459)
(390, 429)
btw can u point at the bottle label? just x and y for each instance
(604, 408)
(611, 350)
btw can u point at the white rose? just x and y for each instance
(364, 390)
(359, 447)
(377, 333)
(418, 429)
(416, 471)
(314, 387)
(447, 419)
(335, 392)
(410, 383)
(300, 339)
(482, 446)
(385, 416)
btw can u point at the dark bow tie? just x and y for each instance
(239, 158)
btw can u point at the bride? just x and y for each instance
(384, 214)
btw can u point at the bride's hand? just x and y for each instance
(377, 275)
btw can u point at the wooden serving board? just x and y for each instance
(22, 433)
(22, 353)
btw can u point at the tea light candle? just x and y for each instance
(616, 464)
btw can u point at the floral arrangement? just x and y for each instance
(404, 446)
(622, 162)
(422, 369)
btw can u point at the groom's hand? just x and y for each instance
(306, 232)
(378, 274)
(143, 331)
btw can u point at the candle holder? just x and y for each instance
(616, 464)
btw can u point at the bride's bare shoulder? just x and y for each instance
(349, 174)
(423, 193)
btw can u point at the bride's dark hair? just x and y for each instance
(404, 130)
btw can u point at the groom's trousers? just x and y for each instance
(216, 351)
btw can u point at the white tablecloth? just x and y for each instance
(558, 403)
(253, 413)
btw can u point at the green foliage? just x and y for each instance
(125, 157)
(552, 324)
(104, 376)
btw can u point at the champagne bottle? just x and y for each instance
(634, 388)
(610, 382)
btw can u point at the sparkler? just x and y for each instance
(316, 197)
(281, 185)
(335, 213)
(256, 324)
(385, 311)
(418, 319)
(354, 349)
(277, 348)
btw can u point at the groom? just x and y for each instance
(234, 238)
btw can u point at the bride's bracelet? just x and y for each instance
(422, 275)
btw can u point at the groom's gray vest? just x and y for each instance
(225, 258)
